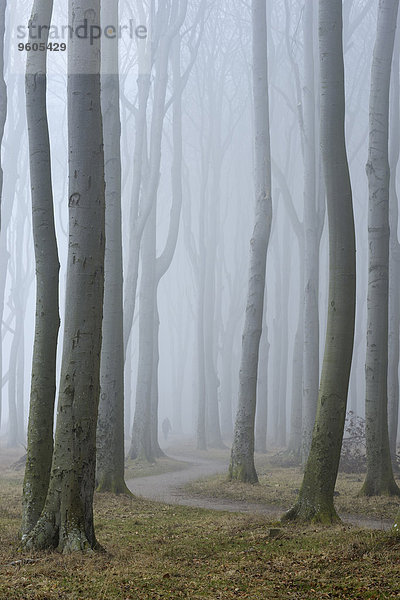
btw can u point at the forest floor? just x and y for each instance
(157, 551)
(201, 482)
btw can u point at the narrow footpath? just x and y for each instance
(169, 488)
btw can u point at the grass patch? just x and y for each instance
(156, 551)
(279, 486)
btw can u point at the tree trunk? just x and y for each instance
(155, 446)
(315, 500)
(110, 424)
(262, 393)
(66, 522)
(379, 479)
(312, 237)
(3, 98)
(141, 430)
(394, 258)
(242, 455)
(284, 350)
(47, 320)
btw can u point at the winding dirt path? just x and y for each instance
(169, 488)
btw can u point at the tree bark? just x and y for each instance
(379, 479)
(3, 116)
(242, 455)
(66, 522)
(394, 257)
(312, 239)
(262, 393)
(47, 320)
(315, 500)
(110, 424)
(3, 94)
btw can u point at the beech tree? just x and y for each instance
(379, 479)
(110, 424)
(66, 521)
(3, 116)
(43, 386)
(394, 255)
(3, 90)
(315, 500)
(242, 455)
(170, 21)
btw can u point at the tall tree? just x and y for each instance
(394, 254)
(242, 456)
(3, 116)
(3, 87)
(66, 521)
(379, 479)
(43, 385)
(313, 224)
(110, 424)
(315, 500)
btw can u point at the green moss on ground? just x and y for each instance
(155, 551)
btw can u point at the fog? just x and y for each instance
(201, 297)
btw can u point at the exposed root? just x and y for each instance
(308, 512)
(113, 485)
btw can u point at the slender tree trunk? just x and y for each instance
(262, 393)
(312, 239)
(214, 438)
(3, 97)
(141, 430)
(110, 424)
(242, 455)
(13, 432)
(3, 116)
(201, 382)
(67, 518)
(155, 446)
(226, 377)
(47, 320)
(165, 259)
(379, 479)
(315, 500)
(284, 350)
(296, 411)
(136, 229)
(394, 258)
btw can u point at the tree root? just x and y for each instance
(306, 511)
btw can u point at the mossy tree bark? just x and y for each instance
(379, 479)
(110, 424)
(66, 522)
(242, 455)
(315, 502)
(43, 385)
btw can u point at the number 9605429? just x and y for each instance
(41, 47)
